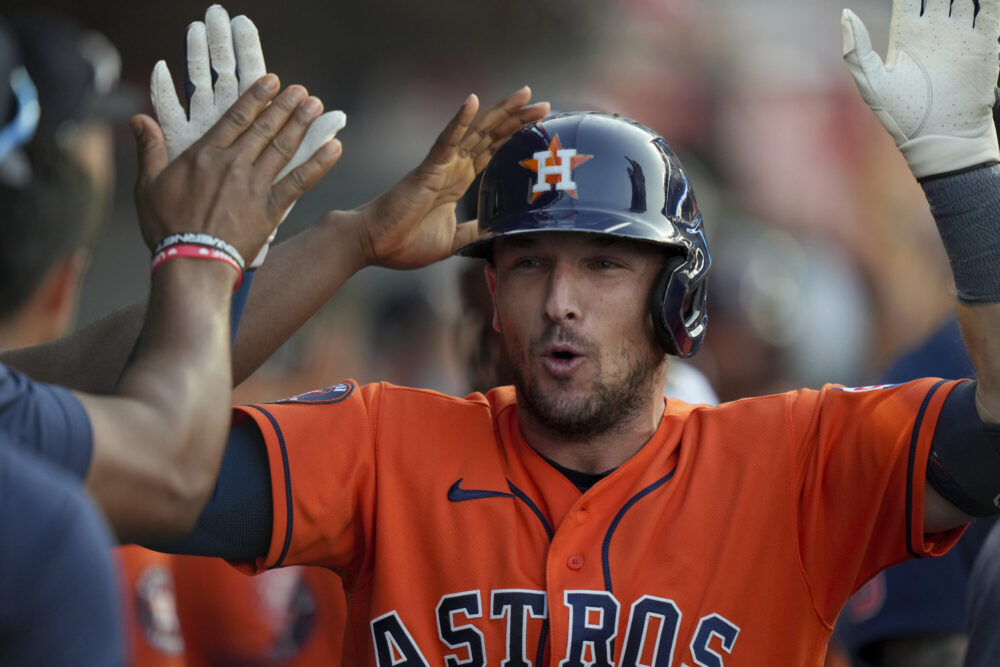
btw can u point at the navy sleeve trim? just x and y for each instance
(289, 513)
(911, 463)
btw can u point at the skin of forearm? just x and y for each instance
(980, 325)
(158, 442)
(299, 276)
(89, 360)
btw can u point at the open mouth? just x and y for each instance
(561, 359)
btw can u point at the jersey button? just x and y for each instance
(574, 562)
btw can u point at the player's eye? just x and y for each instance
(526, 263)
(605, 264)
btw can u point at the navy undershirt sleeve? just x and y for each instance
(965, 454)
(237, 521)
(45, 420)
(58, 595)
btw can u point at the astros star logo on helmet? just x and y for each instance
(555, 169)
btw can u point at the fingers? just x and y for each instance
(223, 59)
(169, 111)
(199, 75)
(276, 153)
(962, 11)
(987, 20)
(932, 7)
(450, 138)
(319, 133)
(465, 233)
(259, 136)
(493, 116)
(249, 55)
(150, 146)
(858, 54)
(241, 116)
(528, 114)
(286, 191)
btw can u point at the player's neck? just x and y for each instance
(594, 453)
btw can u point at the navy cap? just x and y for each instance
(76, 71)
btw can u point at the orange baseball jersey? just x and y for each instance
(150, 608)
(293, 617)
(733, 537)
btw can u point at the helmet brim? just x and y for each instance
(605, 223)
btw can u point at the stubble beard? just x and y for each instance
(605, 408)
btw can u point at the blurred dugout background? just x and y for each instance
(827, 263)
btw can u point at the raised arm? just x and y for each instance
(158, 439)
(935, 94)
(411, 225)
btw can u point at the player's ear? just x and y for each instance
(491, 281)
(51, 308)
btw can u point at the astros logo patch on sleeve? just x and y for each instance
(859, 390)
(334, 394)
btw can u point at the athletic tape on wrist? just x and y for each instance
(194, 251)
(198, 238)
(966, 207)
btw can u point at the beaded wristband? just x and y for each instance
(197, 252)
(197, 238)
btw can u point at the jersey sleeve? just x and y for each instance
(861, 460)
(45, 420)
(320, 448)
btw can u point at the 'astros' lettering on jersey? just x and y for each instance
(732, 538)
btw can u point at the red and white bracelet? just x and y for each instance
(197, 252)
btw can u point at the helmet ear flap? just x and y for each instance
(677, 311)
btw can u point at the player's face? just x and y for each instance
(573, 311)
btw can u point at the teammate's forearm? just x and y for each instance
(299, 276)
(90, 359)
(176, 394)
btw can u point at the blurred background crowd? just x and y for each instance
(827, 264)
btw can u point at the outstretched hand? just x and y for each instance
(223, 184)
(413, 224)
(224, 58)
(935, 92)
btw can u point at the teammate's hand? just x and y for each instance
(224, 183)
(934, 94)
(230, 49)
(413, 223)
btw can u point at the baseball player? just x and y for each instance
(230, 51)
(578, 518)
(49, 528)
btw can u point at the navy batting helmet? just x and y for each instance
(601, 174)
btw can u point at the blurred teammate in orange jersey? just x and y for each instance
(293, 617)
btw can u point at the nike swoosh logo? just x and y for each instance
(457, 494)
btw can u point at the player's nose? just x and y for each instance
(562, 298)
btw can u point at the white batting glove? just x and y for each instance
(934, 94)
(232, 50)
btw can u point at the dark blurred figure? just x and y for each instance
(76, 71)
(57, 588)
